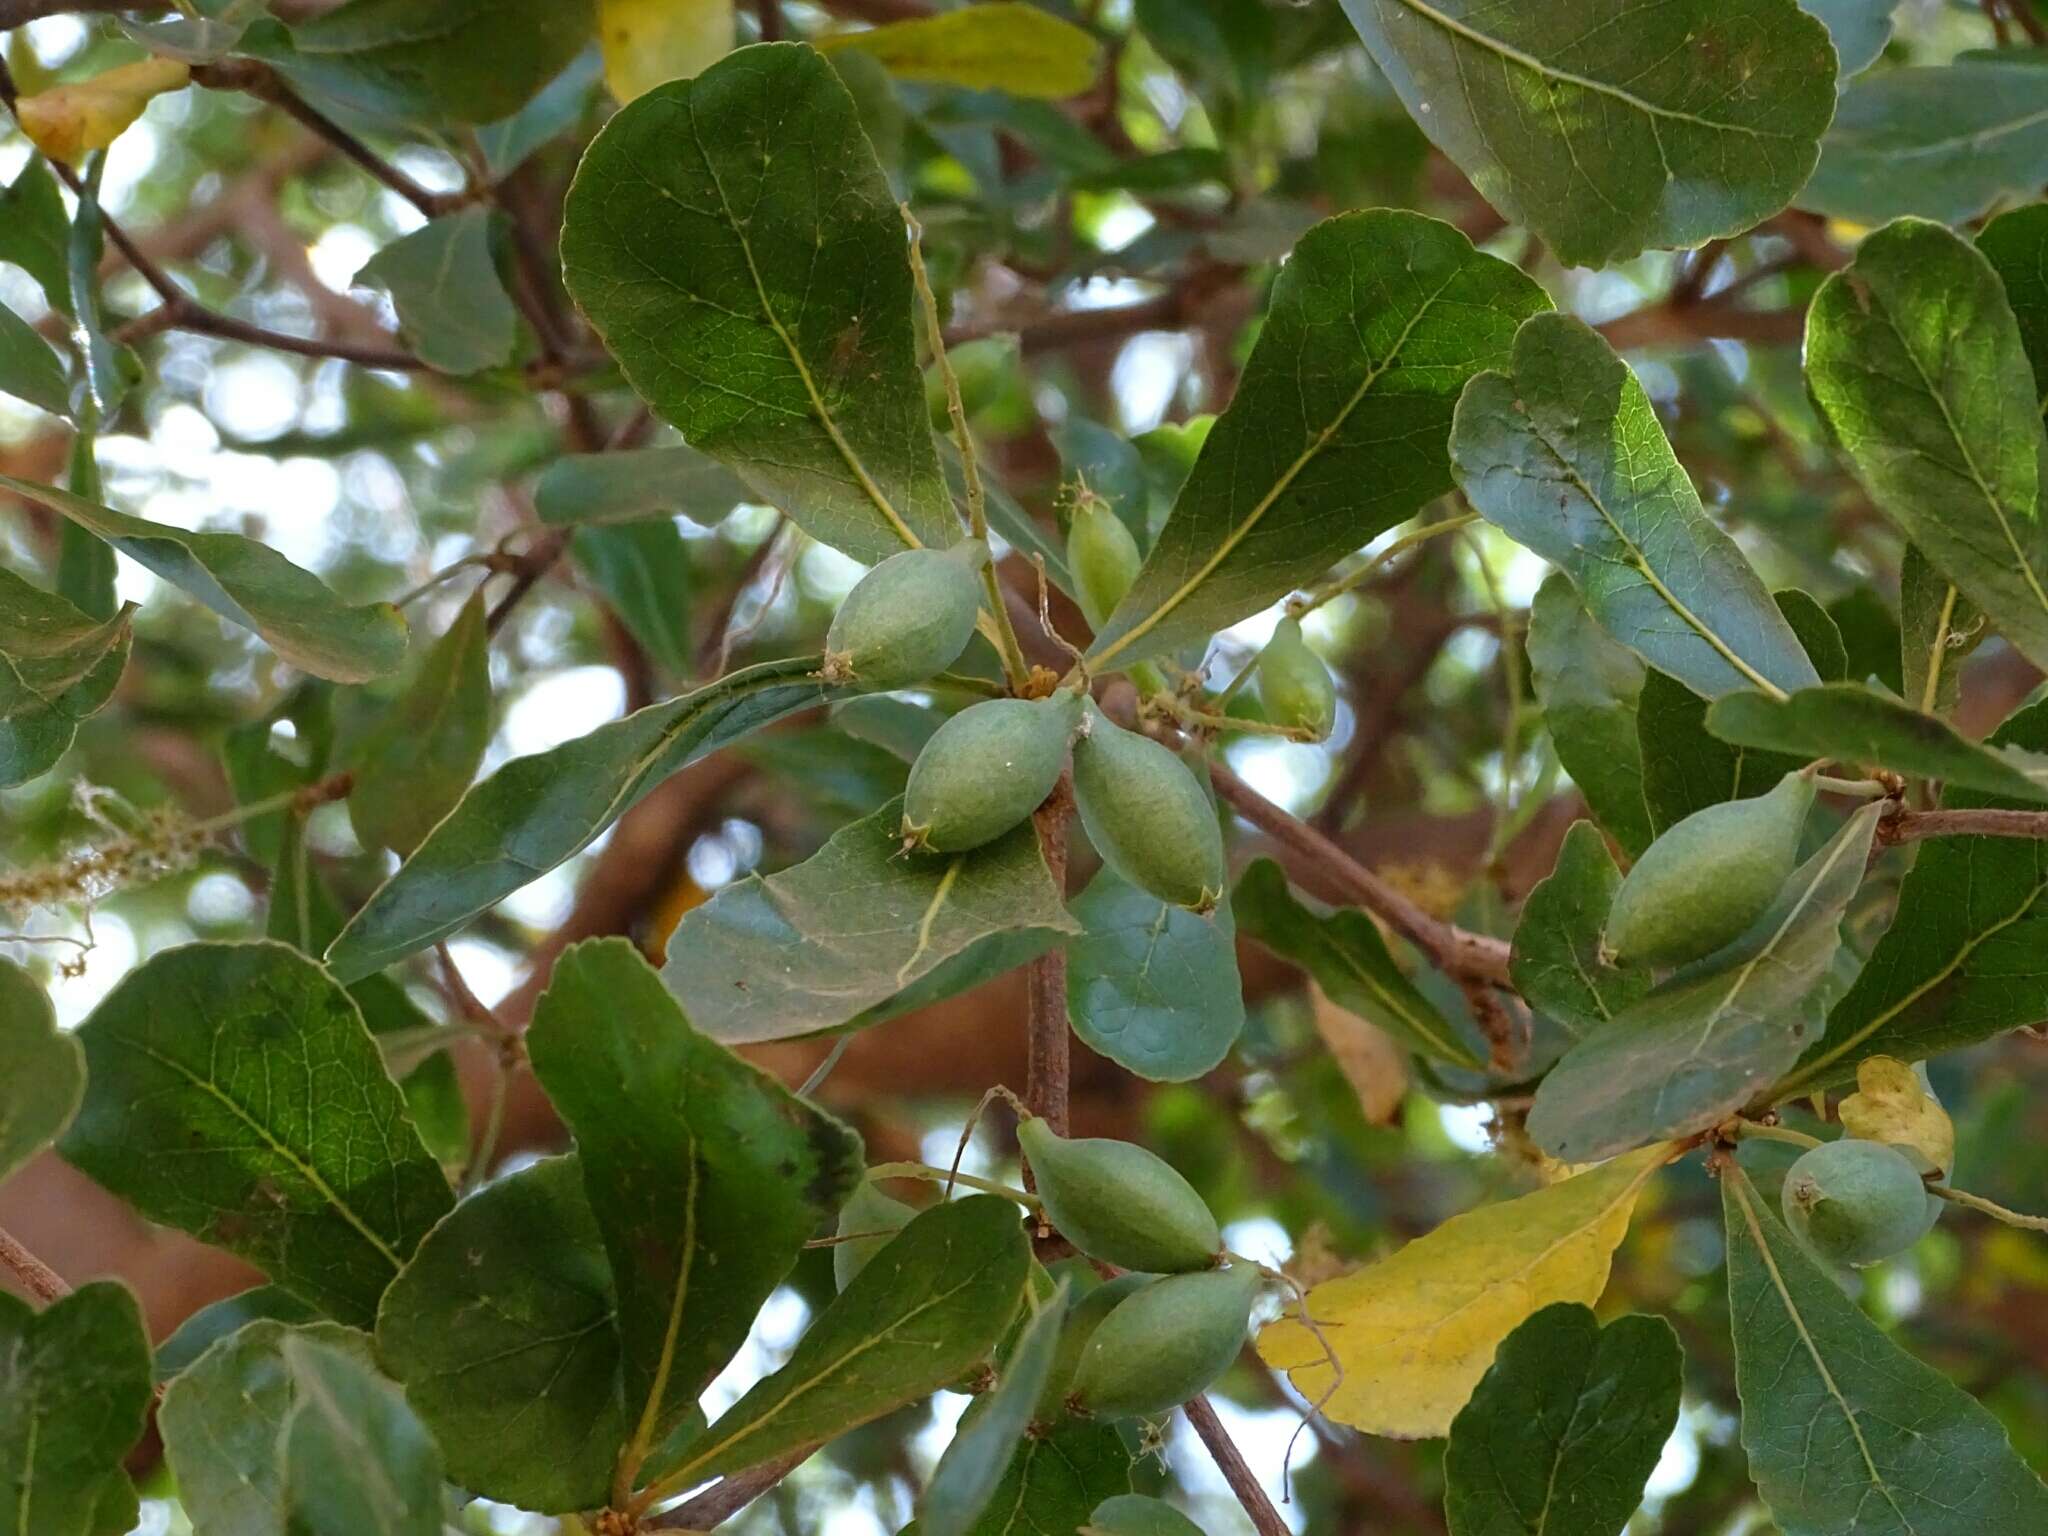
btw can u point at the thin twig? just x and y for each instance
(1266, 1520)
(43, 1282)
(1909, 826)
(1462, 953)
(1990, 1208)
(1047, 1057)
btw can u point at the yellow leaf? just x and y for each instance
(1000, 46)
(1416, 1331)
(650, 42)
(1374, 1066)
(67, 121)
(1891, 1104)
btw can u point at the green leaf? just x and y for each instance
(537, 811)
(1136, 1514)
(45, 1076)
(58, 667)
(233, 1092)
(1941, 141)
(1961, 961)
(1565, 1428)
(1589, 685)
(642, 571)
(1914, 358)
(428, 61)
(1348, 959)
(553, 111)
(1854, 724)
(1152, 986)
(1685, 769)
(417, 760)
(29, 368)
(2016, 245)
(1661, 125)
(931, 1303)
(218, 1320)
(502, 1331)
(74, 1387)
(635, 484)
(34, 230)
(356, 1461)
(246, 583)
(971, 1471)
(1564, 454)
(1859, 29)
(221, 1421)
(1001, 45)
(1847, 1434)
(706, 1175)
(733, 241)
(453, 311)
(1938, 629)
(1375, 323)
(1696, 1048)
(1056, 1480)
(857, 922)
(1557, 963)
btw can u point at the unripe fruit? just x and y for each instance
(1082, 1319)
(908, 619)
(1103, 557)
(1709, 877)
(868, 1210)
(1147, 816)
(1165, 1343)
(1856, 1202)
(1294, 685)
(986, 769)
(1134, 1514)
(1119, 1203)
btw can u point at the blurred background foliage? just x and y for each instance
(1103, 262)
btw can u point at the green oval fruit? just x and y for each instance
(1119, 1203)
(1294, 685)
(1103, 557)
(1147, 816)
(1709, 877)
(908, 619)
(1083, 1317)
(1135, 1514)
(868, 1210)
(1165, 1343)
(985, 770)
(1856, 1202)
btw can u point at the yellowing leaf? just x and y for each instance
(1891, 1104)
(68, 121)
(995, 47)
(1416, 1331)
(650, 42)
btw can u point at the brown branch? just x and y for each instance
(1908, 826)
(1048, 1058)
(1266, 1520)
(1458, 951)
(43, 1282)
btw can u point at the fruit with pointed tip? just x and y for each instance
(908, 619)
(1103, 557)
(1119, 1203)
(987, 769)
(1164, 1343)
(1709, 877)
(1147, 816)
(1294, 685)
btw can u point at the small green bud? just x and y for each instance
(1147, 816)
(1294, 685)
(1709, 877)
(1165, 1343)
(1103, 557)
(908, 619)
(987, 769)
(1856, 1202)
(867, 1210)
(1119, 1203)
